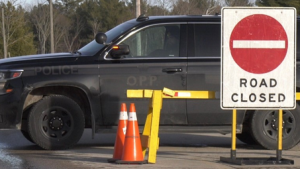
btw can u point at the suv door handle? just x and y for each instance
(172, 70)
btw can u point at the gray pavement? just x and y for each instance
(176, 151)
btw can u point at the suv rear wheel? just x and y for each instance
(265, 128)
(56, 122)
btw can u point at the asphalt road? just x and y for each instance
(176, 151)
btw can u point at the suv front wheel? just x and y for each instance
(56, 122)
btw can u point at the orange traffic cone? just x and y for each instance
(121, 132)
(132, 151)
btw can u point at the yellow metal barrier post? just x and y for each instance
(257, 161)
(154, 109)
(150, 139)
(232, 158)
(279, 149)
(233, 135)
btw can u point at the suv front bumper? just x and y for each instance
(8, 111)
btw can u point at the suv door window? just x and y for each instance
(204, 74)
(207, 40)
(155, 41)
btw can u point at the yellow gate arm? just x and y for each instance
(297, 96)
(149, 137)
(172, 94)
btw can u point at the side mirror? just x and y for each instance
(119, 50)
(101, 38)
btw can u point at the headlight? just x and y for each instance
(10, 74)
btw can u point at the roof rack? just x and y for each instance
(142, 17)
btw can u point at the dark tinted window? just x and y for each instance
(155, 41)
(207, 40)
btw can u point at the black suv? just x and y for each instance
(51, 98)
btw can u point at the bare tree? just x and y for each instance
(212, 7)
(41, 19)
(164, 4)
(13, 18)
(96, 21)
(185, 7)
(14, 2)
(196, 7)
(146, 5)
(239, 3)
(96, 25)
(71, 39)
(208, 7)
(61, 27)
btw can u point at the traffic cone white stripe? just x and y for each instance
(132, 116)
(123, 115)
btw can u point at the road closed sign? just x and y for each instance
(258, 58)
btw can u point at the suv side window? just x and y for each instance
(155, 41)
(207, 40)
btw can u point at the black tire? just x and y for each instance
(265, 128)
(24, 127)
(246, 137)
(56, 122)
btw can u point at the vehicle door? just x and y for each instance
(149, 65)
(204, 74)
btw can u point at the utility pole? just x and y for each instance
(4, 36)
(138, 8)
(51, 27)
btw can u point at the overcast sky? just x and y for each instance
(29, 3)
(33, 2)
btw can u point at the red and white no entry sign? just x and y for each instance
(258, 58)
(258, 43)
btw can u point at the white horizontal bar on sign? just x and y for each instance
(263, 44)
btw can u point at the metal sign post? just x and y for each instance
(233, 135)
(258, 67)
(279, 148)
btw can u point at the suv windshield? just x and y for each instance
(93, 47)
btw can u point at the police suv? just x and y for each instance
(51, 98)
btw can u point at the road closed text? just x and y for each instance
(258, 97)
